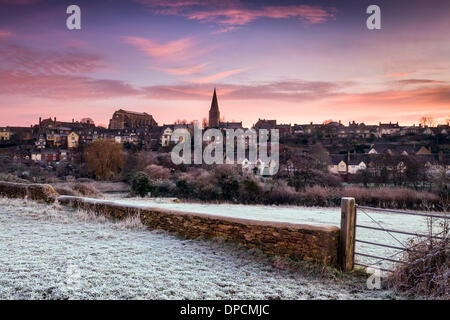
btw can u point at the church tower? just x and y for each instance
(214, 114)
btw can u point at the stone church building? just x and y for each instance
(122, 119)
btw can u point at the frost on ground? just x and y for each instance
(314, 216)
(51, 252)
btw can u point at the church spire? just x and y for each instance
(214, 113)
(214, 103)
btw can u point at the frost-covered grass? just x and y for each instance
(314, 216)
(50, 252)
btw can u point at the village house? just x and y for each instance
(392, 149)
(55, 140)
(21, 133)
(411, 130)
(5, 134)
(49, 155)
(230, 125)
(72, 140)
(284, 129)
(265, 124)
(259, 167)
(87, 135)
(166, 135)
(167, 131)
(443, 129)
(49, 123)
(388, 128)
(41, 142)
(298, 129)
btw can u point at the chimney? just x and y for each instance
(73, 120)
(40, 120)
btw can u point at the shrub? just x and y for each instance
(184, 188)
(157, 172)
(251, 191)
(163, 188)
(87, 190)
(229, 186)
(398, 198)
(210, 194)
(425, 268)
(141, 184)
(281, 193)
(315, 196)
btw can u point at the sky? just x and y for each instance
(293, 61)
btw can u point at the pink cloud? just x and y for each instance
(5, 34)
(171, 3)
(398, 75)
(177, 50)
(77, 44)
(239, 17)
(219, 75)
(401, 99)
(21, 58)
(290, 90)
(231, 15)
(332, 95)
(418, 82)
(61, 87)
(181, 71)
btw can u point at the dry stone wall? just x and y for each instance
(39, 192)
(299, 242)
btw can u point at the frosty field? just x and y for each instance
(51, 252)
(314, 216)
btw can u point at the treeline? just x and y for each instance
(226, 185)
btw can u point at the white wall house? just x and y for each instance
(354, 168)
(165, 137)
(262, 168)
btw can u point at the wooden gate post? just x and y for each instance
(347, 237)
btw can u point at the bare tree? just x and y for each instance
(427, 121)
(181, 121)
(204, 123)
